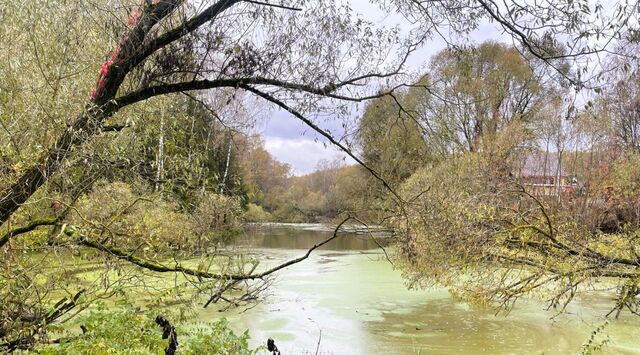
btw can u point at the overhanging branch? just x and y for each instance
(157, 267)
(50, 221)
(322, 132)
(326, 91)
(193, 24)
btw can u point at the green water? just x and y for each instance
(349, 298)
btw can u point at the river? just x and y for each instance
(348, 299)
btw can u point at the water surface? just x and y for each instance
(349, 298)
(292, 236)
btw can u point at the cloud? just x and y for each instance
(280, 123)
(303, 154)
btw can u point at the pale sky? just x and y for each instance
(290, 141)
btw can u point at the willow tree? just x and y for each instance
(392, 140)
(471, 224)
(485, 89)
(64, 93)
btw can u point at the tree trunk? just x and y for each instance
(130, 52)
(82, 129)
(160, 156)
(226, 168)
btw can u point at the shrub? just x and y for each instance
(215, 218)
(131, 219)
(129, 331)
(255, 213)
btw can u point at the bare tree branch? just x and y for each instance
(157, 267)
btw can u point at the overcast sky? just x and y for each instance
(290, 141)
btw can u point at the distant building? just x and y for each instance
(542, 174)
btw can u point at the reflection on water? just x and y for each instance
(287, 236)
(355, 303)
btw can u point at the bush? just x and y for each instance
(623, 190)
(132, 219)
(129, 331)
(472, 227)
(255, 213)
(215, 218)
